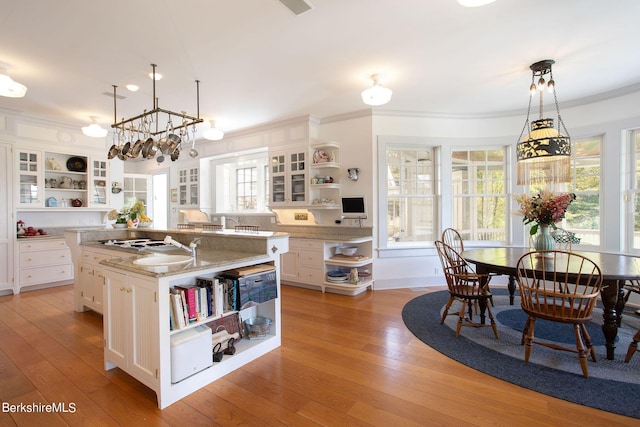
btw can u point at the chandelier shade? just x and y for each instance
(544, 153)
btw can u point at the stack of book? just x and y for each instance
(195, 303)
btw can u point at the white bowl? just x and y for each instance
(349, 251)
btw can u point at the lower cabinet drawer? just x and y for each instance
(310, 275)
(34, 276)
(311, 258)
(40, 258)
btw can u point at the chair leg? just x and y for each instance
(529, 339)
(588, 343)
(493, 323)
(525, 330)
(633, 347)
(582, 351)
(445, 313)
(465, 303)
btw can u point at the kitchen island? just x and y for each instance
(136, 300)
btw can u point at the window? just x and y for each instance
(633, 212)
(479, 193)
(583, 216)
(239, 183)
(246, 188)
(408, 195)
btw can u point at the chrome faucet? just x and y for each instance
(191, 248)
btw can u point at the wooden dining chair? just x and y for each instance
(465, 286)
(548, 291)
(633, 347)
(453, 238)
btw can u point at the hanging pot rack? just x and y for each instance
(148, 123)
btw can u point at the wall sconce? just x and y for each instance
(353, 173)
(544, 154)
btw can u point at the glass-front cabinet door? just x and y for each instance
(278, 191)
(99, 180)
(30, 178)
(288, 178)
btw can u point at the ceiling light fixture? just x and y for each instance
(544, 154)
(376, 95)
(135, 136)
(213, 133)
(155, 76)
(132, 88)
(9, 87)
(94, 130)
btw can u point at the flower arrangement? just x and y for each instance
(545, 208)
(129, 216)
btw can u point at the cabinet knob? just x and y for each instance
(29, 259)
(274, 249)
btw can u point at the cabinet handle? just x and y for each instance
(274, 249)
(122, 289)
(29, 259)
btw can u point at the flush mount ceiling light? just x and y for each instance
(8, 87)
(132, 88)
(544, 154)
(94, 130)
(474, 3)
(155, 76)
(376, 95)
(213, 133)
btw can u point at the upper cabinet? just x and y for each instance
(289, 178)
(57, 180)
(30, 178)
(189, 187)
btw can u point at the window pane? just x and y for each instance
(410, 194)
(479, 194)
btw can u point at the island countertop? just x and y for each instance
(205, 259)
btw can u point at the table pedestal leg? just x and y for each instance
(611, 291)
(512, 288)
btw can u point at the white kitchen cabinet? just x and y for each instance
(88, 287)
(189, 187)
(60, 180)
(315, 258)
(30, 177)
(43, 260)
(7, 221)
(131, 323)
(288, 178)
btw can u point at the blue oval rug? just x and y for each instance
(612, 386)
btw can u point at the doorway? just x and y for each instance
(160, 201)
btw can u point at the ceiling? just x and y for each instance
(258, 62)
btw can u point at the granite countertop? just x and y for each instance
(206, 258)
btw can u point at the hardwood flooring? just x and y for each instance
(344, 361)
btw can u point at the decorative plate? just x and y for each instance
(77, 164)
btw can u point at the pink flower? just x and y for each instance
(544, 208)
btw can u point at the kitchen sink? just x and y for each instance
(232, 232)
(163, 260)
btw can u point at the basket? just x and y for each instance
(257, 327)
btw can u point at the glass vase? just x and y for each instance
(544, 241)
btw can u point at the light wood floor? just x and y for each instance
(344, 361)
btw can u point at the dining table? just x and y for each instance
(616, 269)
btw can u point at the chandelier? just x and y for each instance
(544, 154)
(154, 133)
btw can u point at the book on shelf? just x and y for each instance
(177, 308)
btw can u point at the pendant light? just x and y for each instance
(544, 154)
(213, 133)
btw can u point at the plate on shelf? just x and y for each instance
(77, 164)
